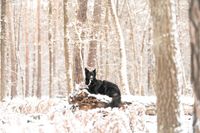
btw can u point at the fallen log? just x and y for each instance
(83, 100)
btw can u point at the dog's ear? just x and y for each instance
(94, 70)
(86, 70)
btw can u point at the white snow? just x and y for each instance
(31, 115)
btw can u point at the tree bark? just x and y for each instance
(50, 48)
(12, 55)
(82, 11)
(78, 62)
(194, 15)
(92, 56)
(68, 64)
(26, 54)
(123, 64)
(168, 74)
(135, 72)
(34, 53)
(19, 40)
(3, 45)
(38, 92)
(106, 39)
(34, 71)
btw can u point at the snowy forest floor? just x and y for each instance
(55, 115)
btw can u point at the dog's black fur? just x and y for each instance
(102, 87)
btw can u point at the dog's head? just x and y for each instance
(89, 76)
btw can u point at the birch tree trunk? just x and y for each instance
(19, 39)
(34, 66)
(34, 71)
(54, 46)
(12, 54)
(194, 15)
(168, 74)
(135, 72)
(68, 64)
(3, 45)
(106, 39)
(50, 48)
(123, 64)
(26, 53)
(38, 92)
(92, 57)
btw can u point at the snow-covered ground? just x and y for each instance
(55, 115)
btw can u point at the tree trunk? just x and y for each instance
(92, 57)
(82, 11)
(34, 71)
(106, 39)
(3, 45)
(26, 53)
(82, 17)
(12, 55)
(168, 74)
(123, 64)
(135, 72)
(38, 92)
(68, 64)
(54, 47)
(34, 66)
(50, 48)
(194, 15)
(19, 40)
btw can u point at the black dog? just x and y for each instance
(102, 87)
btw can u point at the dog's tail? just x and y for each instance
(116, 100)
